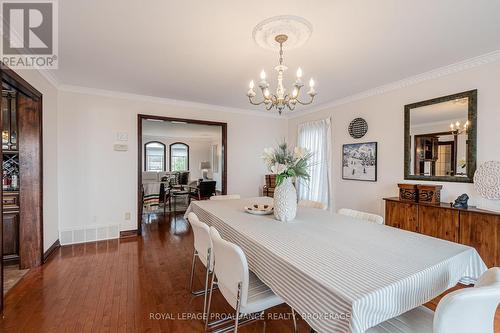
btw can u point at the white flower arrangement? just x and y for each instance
(284, 163)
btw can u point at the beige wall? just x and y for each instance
(384, 114)
(99, 185)
(50, 156)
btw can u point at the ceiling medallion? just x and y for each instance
(281, 32)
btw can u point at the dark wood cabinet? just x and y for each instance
(474, 227)
(10, 202)
(426, 150)
(11, 237)
(21, 222)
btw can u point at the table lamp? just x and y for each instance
(204, 166)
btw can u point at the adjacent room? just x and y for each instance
(287, 166)
(181, 162)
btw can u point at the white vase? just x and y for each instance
(285, 201)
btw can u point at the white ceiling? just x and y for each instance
(168, 129)
(203, 51)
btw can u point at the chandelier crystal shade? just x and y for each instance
(280, 99)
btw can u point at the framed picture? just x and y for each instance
(359, 161)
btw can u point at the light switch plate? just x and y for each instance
(122, 136)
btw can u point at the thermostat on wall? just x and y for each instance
(120, 147)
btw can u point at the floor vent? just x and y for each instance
(89, 234)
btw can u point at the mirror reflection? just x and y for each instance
(439, 138)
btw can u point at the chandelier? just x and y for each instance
(281, 99)
(457, 128)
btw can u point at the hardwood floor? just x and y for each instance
(12, 275)
(122, 286)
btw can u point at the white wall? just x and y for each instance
(384, 114)
(99, 185)
(50, 156)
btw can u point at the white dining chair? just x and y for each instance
(225, 197)
(202, 251)
(312, 204)
(461, 311)
(361, 215)
(241, 288)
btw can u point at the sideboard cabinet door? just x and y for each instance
(482, 231)
(402, 215)
(438, 222)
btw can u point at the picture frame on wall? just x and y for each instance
(359, 161)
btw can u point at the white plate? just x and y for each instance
(258, 209)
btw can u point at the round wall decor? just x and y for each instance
(358, 128)
(487, 180)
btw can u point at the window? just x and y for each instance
(179, 157)
(315, 136)
(154, 158)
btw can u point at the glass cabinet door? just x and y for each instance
(13, 124)
(5, 122)
(9, 122)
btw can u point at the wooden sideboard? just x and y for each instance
(474, 227)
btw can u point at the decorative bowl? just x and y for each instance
(259, 209)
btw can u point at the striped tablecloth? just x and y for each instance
(341, 274)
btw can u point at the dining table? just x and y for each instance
(341, 274)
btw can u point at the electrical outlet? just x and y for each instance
(127, 216)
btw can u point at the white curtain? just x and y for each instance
(315, 136)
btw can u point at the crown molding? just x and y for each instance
(163, 100)
(412, 80)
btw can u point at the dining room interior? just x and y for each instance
(285, 166)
